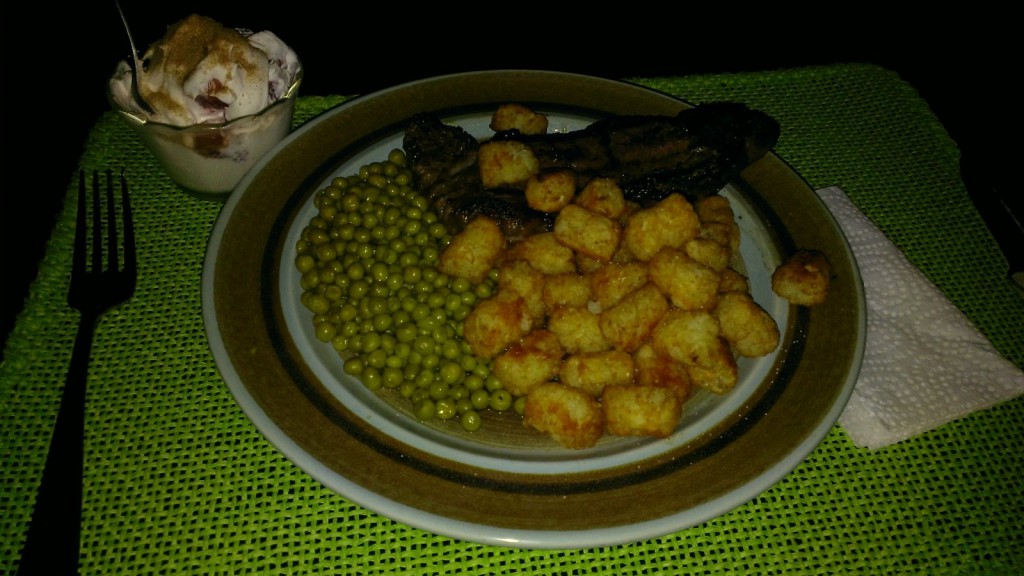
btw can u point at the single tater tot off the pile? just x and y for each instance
(803, 278)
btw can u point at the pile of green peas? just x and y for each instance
(368, 265)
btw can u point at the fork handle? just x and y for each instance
(52, 543)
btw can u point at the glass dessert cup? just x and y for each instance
(208, 160)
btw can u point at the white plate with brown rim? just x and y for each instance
(506, 485)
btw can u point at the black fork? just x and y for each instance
(52, 544)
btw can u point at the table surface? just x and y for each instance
(178, 480)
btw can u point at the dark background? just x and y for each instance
(57, 62)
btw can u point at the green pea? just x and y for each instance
(425, 409)
(424, 379)
(519, 405)
(305, 262)
(325, 331)
(452, 373)
(501, 400)
(371, 342)
(450, 350)
(480, 398)
(470, 420)
(445, 409)
(393, 378)
(358, 289)
(371, 378)
(354, 366)
(377, 359)
(406, 390)
(382, 322)
(439, 390)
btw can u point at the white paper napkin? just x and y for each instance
(925, 364)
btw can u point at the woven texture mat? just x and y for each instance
(179, 481)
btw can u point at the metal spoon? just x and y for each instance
(136, 65)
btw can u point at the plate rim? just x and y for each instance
(472, 531)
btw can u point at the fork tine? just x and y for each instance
(97, 229)
(129, 229)
(112, 258)
(78, 255)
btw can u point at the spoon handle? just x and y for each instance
(136, 63)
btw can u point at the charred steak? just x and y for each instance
(695, 153)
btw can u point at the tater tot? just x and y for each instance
(715, 208)
(514, 116)
(505, 163)
(568, 289)
(551, 191)
(709, 253)
(689, 284)
(718, 222)
(589, 233)
(474, 251)
(803, 278)
(629, 323)
(495, 323)
(529, 363)
(545, 253)
(578, 329)
(732, 281)
(750, 330)
(572, 417)
(604, 196)
(611, 282)
(719, 374)
(659, 370)
(686, 335)
(593, 371)
(670, 222)
(693, 337)
(519, 277)
(640, 411)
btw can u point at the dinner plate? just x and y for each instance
(506, 484)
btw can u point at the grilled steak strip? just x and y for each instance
(695, 153)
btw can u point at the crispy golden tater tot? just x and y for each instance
(495, 323)
(803, 278)
(551, 191)
(593, 371)
(545, 253)
(629, 323)
(506, 163)
(688, 283)
(474, 251)
(572, 417)
(590, 233)
(529, 363)
(750, 330)
(640, 410)
(604, 196)
(670, 222)
(578, 329)
(514, 116)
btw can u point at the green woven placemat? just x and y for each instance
(179, 481)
